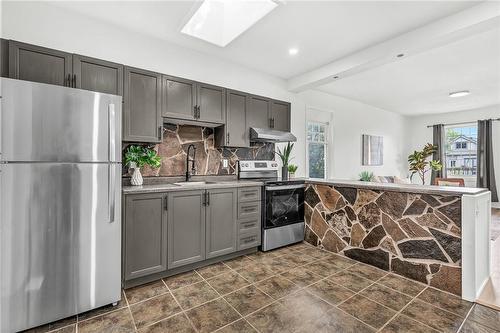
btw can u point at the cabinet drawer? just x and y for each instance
(247, 194)
(248, 240)
(250, 225)
(248, 209)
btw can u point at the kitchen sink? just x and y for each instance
(193, 183)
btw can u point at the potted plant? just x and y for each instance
(292, 168)
(138, 156)
(419, 163)
(366, 176)
(285, 158)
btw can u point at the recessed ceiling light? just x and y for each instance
(459, 93)
(293, 51)
(220, 21)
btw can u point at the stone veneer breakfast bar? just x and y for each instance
(435, 235)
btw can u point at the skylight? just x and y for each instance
(220, 21)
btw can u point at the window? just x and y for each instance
(317, 141)
(461, 151)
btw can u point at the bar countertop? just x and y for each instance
(410, 188)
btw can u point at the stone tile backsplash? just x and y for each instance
(177, 138)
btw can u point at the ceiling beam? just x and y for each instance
(466, 23)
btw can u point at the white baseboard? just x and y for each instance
(495, 204)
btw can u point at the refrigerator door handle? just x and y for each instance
(112, 132)
(111, 191)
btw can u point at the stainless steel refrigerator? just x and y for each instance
(60, 195)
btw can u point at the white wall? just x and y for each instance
(419, 134)
(351, 119)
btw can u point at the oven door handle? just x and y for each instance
(284, 187)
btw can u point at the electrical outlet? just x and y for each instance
(225, 163)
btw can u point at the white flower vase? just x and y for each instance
(136, 175)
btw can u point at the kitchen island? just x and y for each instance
(435, 235)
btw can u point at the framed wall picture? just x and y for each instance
(373, 150)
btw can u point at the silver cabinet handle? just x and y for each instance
(249, 239)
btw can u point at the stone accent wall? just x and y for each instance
(414, 235)
(177, 138)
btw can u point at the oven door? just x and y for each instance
(284, 205)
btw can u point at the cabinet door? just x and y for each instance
(4, 57)
(145, 235)
(211, 101)
(186, 228)
(280, 115)
(39, 64)
(97, 75)
(179, 98)
(236, 119)
(142, 106)
(222, 224)
(259, 112)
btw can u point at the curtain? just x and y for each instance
(485, 168)
(438, 140)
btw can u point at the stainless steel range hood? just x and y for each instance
(270, 135)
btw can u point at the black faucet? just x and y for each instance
(193, 169)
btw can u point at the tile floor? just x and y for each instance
(293, 289)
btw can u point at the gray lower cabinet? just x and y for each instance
(145, 235)
(186, 228)
(259, 111)
(142, 120)
(39, 64)
(280, 116)
(221, 226)
(179, 98)
(97, 75)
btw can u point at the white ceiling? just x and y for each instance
(323, 31)
(420, 84)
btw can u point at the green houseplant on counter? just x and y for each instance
(292, 168)
(285, 158)
(366, 176)
(420, 165)
(138, 156)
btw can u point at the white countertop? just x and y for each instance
(411, 188)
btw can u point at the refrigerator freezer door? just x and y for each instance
(60, 241)
(42, 122)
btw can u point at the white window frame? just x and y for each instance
(326, 144)
(471, 124)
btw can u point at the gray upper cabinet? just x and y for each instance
(236, 119)
(280, 116)
(145, 235)
(4, 57)
(259, 112)
(39, 64)
(179, 98)
(189, 100)
(211, 102)
(186, 228)
(221, 222)
(142, 106)
(97, 75)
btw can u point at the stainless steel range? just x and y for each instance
(282, 204)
